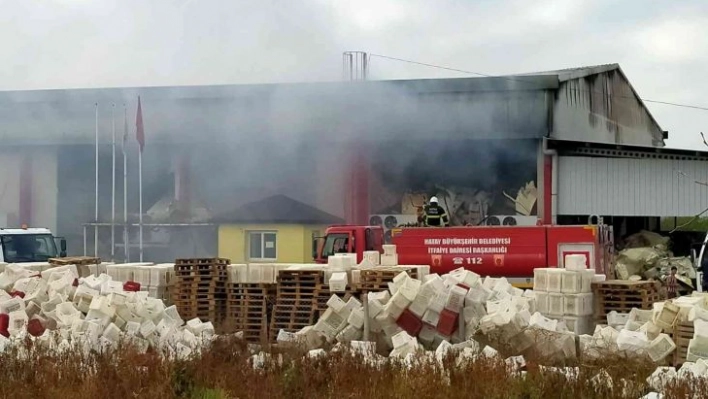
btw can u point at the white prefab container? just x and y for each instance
(540, 279)
(555, 279)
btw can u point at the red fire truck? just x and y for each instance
(498, 251)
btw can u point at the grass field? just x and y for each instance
(223, 371)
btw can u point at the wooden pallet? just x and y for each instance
(621, 296)
(682, 333)
(377, 279)
(291, 316)
(75, 260)
(203, 261)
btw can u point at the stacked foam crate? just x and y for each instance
(155, 279)
(565, 294)
(340, 276)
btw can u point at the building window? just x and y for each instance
(262, 245)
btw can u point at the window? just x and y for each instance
(334, 244)
(262, 245)
(28, 247)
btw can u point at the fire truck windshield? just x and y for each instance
(335, 244)
(18, 248)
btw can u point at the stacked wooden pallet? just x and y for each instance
(683, 332)
(377, 279)
(200, 288)
(295, 300)
(622, 295)
(248, 308)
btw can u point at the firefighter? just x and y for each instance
(435, 215)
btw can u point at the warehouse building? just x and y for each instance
(557, 146)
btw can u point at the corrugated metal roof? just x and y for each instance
(577, 72)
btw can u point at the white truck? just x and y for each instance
(29, 245)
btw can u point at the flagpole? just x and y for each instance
(113, 191)
(95, 227)
(125, 188)
(140, 182)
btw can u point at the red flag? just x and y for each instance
(139, 131)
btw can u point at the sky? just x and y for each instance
(660, 45)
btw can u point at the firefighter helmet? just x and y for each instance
(433, 200)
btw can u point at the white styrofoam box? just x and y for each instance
(456, 299)
(381, 296)
(356, 277)
(540, 279)
(410, 288)
(336, 262)
(540, 321)
(15, 304)
(598, 278)
(356, 318)
(141, 275)
(697, 349)
(439, 300)
(640, 316)
(431, 317)
(542, 302)
(478, 293)
(373, 256)
(389, 249)
(579, 325)
(394, 310)
(575, 262)
(423, 271)
(400, 300)
(556, 304)
(578, 304)
(555, 278)
(586, 278)
(571, 282)
(338, 282)
(660, 347)
(389, 260)
(617, 319)
(668, 315)
(427, 334)
(336, 303)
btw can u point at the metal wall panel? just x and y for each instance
(631, 186)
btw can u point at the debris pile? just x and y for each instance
(62, 310)
(646, 255)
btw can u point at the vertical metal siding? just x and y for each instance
(631, 187)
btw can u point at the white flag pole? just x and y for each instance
(113, 190)
(140, 182)
(95, 227)
(126, 241)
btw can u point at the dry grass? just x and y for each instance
(223, 371)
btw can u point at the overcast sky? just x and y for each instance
(661, 45)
